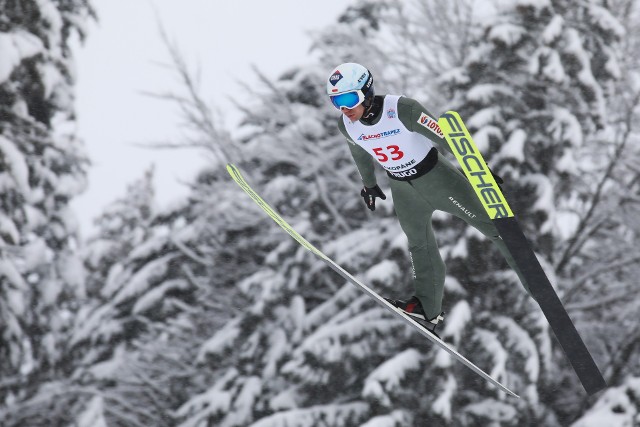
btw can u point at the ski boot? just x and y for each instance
(413, 309)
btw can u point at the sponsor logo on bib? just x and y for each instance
(404, 174)
(380, 135)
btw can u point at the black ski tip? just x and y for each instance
(594, 386)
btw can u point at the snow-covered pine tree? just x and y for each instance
(602, 258)
(537, 92)
(42, 167)
(142, 273)
(159, 281)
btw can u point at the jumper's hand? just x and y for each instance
(369, 195)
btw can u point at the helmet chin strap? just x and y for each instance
(372, 107)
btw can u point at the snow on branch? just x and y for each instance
(393, 419)
(16, 46)
(444, 403)
(457, 319)
(344, 415)
(222, 340)
(388, 377)
(617, 407)
(521, 343)
(490, 342)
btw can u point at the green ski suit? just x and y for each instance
(442, 187)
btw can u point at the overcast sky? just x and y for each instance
(119, 61)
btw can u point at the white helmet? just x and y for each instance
(349, 85)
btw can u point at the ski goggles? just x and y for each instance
(347, 99)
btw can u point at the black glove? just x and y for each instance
(370, 194)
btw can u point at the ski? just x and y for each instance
(495, 203)
(239, 179)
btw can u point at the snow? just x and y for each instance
(553, 68)
(605, 20)
(565, 126)
(459, 250)
(309, 126)
(105, 370)
(97, 250)
(15, 300)
(613, 67)
(514, 147)
(453, 286)
(400, 242)
(284, 400)
(457, 320)
(394, 419)
(94, 323)
(17, 165)
(8, 228)
(443, 359)
(278, 346)
(487, 92)
(93, 414)
(280, 188)
(220, 341)
(51, 16)
(243, 403)
(51, 77)
(484, 117)
(565, 224)
(494, 410)
(68, 185)
(144, 278)
(483, 136)
(334, 415)
(553, 30)
(354, 249)
(298, 314)
(8, 269)
(506, 33)
(262, 287)
(616, 407)
(545, 200)
(538, 4)
(72, 273)
(209, 403)
(156, 294)
(387, 377)
(567, 163)
(455, 76)
(442, 405)
(386, 272)
(489, 340)
(519, 341)
(328, 341)
(14, 47)
(331, 306)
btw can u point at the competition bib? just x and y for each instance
(397, 149)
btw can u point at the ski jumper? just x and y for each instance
(402, 139)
